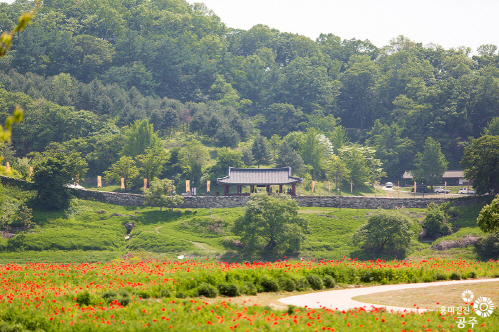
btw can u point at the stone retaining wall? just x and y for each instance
(359, 202)
(200, 202)
(348, 202)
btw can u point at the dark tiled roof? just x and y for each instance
(259, 176)
(447, 175)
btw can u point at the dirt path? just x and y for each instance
(157, 229)
(342, 299)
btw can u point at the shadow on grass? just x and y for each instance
(166, 215)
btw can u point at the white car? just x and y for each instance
(388, 185)
(441, 190)
(466, 191)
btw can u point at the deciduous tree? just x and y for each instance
(336, 170)
(271, 223)
(488, 220)
(481, 164)
(151, 163)
(162, 193)
(436, 223)
(193, 159)
(124, 168)
(52, 175)
(386, 232)
(226, 158)
(138, 138)
(287, 156)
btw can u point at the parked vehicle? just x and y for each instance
(388, 185)
(420, 189)
(466, 191)
(441, 190)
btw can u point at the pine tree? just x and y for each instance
(260, 151)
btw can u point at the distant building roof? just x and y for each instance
(447, 175)
(259, 176)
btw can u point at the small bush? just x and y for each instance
(287, 284)
(123, 297)
(123, 301)
(165, 293)
(455, 276)
(83, 299)
(441, 276)
(487, 247)
(109, 296)
(207, 290)
(269, 285)
(328, 281)
(181, 295)
(143, 294)
(229, 290)
(472, 275)
(429, 278)
(315, 282)
(249, 289)
(5, 327)
(436, 221)
(291, 309)
(302, 284)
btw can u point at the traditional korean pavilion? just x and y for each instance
(259, 177)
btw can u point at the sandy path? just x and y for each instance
(342, 299)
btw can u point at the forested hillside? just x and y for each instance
(85, 70)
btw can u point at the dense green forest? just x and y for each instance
(88, 72)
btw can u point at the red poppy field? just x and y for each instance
(159, 296)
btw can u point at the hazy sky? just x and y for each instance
(450, 23)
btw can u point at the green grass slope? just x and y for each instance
(95, 231)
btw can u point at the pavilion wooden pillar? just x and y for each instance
(293, 191)
(226, 189)
(252, 189)
(280, 189)
(238, 190)
(268, 188)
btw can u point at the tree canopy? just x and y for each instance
(385, 231)
(52, 175)
(93, 76)
(481, 164)
(431, 163)
(162, 193)
(272, 224)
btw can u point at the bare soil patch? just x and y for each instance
(433, 297)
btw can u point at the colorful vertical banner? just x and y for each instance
(145, 184)
(445, 188)
(30, 171)
(208, 183)
(8, 167)
(99, 181)
(122, 183)
(329, 186)
(313, 186)
(415, 187)
(187, 185)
